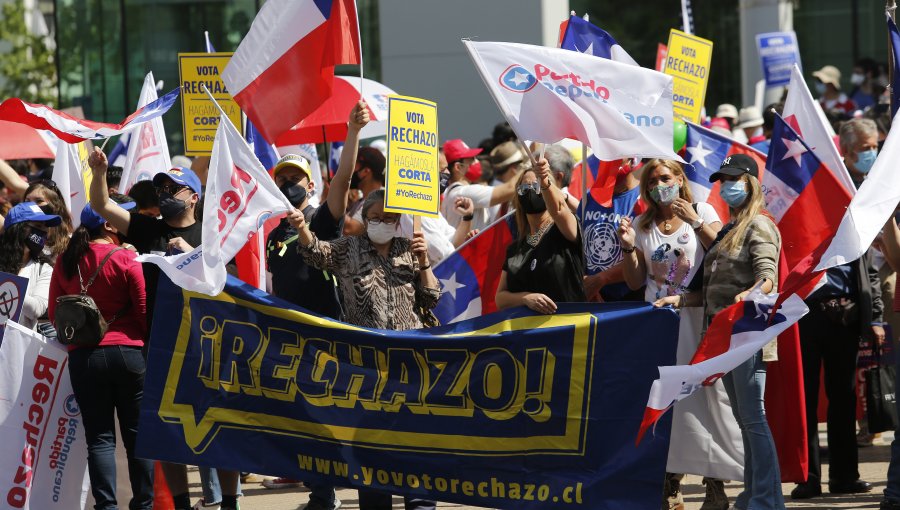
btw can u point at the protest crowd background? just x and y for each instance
(201, 302)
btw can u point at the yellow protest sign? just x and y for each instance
(411, 180)
(87, 175)
(199, 116)
(688, 63)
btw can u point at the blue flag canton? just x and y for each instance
(704, 151)
(459, 288)
(756, 318)
(894, 36)
(585, 37)
(790, 159)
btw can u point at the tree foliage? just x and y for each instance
(27, 68)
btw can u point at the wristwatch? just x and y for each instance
(696, 224)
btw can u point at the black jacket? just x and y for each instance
(871, 307)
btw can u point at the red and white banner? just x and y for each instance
(240, 197)
(18, 141)
(148, 151)
(548, 94)
(43, 454)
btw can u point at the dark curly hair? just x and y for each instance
(12, 239)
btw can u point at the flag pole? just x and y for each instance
(890, 8)
(359, 39)
(584, 168)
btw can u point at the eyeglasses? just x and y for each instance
(386, 221)
(525, 186)
(172, 189)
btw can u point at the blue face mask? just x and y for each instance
(865, 160)
(734, 193)
(820, 88)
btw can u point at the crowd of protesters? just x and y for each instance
(349, 259)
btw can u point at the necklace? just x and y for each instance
(667, 227)
(534, 239)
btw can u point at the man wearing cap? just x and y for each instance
(178, 231)
(487, 199)
(828, 86)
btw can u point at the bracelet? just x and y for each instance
(468, 217)
(425, 268)
(628, 250)
(545, 188)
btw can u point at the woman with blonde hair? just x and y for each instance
(665, 253)
(744, 257)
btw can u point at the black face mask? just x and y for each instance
(532, 203)
(170, 207)
(354, 180)
(295, 193)
(35, 242)
(445, 181)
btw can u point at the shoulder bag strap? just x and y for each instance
(90, 282)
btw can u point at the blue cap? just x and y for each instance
(29, 211)
(183, 176)
(92, 221)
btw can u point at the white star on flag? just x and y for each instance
(795, 149)
(698, 153)
(589, 50)
(450, 285)
(519, 78)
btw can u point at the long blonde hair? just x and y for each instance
(684, 190)
(753, 206)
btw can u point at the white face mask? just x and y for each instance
(857, 79)
(381, 233)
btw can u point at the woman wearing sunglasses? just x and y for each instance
(543, 265)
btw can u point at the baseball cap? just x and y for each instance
(181, 175)
(294, 160)
(91, 220)
(29, 211)
(738, 164)
(456, 149)
(370, 157)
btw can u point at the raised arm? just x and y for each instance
(556, 203)
(115, 215)
(11, 179)
(505, 192)
(632, 259)
(337, 193)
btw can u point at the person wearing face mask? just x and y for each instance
(744, 256)
(664, 254)
(23, 238)
(386, 281)
(368, 176)
(108, 378)
(487, 199)
(864, 94)
(544, 265)
(845, 308)
(828, 87)
(859, 145)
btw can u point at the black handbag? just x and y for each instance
(881, 403)
(77, 319)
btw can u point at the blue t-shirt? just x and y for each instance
(601, 243)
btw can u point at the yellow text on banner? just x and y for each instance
(199, 116)
(411, 184)
(688, 63)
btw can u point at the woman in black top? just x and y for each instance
(544, 264)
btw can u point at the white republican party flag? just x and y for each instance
(240, 196)
(148, 151)
(805, 115)
(870, 208)
(43, 454)
(67, 174)
(548, 94)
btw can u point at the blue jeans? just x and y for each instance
(321, 494)
(746, 387)
(209, 483)
(892, 489)
(108, 382)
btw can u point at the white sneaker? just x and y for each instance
(201, 505)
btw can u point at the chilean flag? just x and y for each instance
(69, 129)
(469, 276)
(599, 176)
(894, 38)
(704, 151)
(284, 68)
(735, 334)
(584, 37)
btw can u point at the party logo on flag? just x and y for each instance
(517, 79)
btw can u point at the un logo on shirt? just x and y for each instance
(517, 79)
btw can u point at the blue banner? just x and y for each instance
(778, 51)
(12, 298)
(510, 410)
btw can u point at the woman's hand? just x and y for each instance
(593, 283)
(740, 297)
(674, 301)
(359, 116)
(540, 303)
(543, 173)
(97, 161)
(626, 234)
(419, 248)
(684, 210)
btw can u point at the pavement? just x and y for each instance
(873, 468)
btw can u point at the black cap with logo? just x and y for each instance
(736, 165)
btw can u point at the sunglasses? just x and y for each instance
(172, 189)
(524, 187)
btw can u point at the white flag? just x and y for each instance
(548, 94)
(240, 196)
(148, 151)
(43, 454)
(69, 179)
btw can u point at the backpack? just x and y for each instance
(77, 319)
